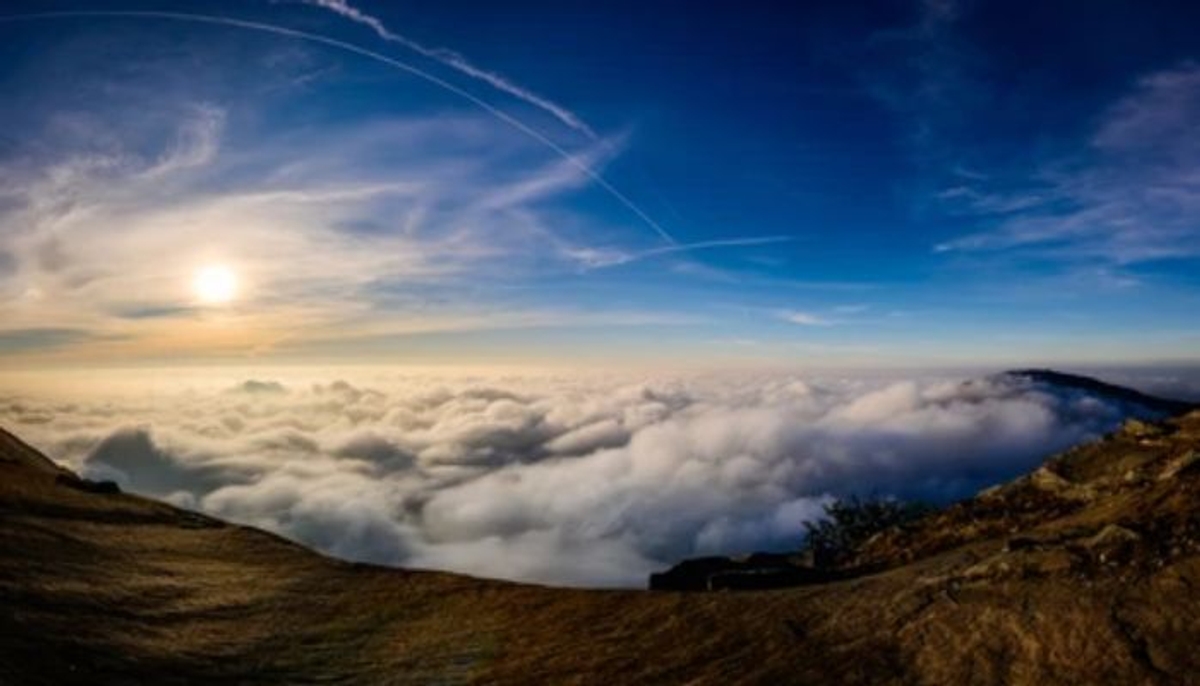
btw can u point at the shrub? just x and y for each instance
(849, 522)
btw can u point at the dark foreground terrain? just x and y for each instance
(1084, 572)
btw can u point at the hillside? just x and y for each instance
(1100, 389)
(1082, 572)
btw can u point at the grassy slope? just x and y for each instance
(120, 589)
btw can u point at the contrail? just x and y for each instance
(716, 243)
(369, 54)
(455, 61)
(600, 260)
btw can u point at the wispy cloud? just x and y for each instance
(920, 72)
(804, 318)
(1122, 190)
(595, 177)
(456, 61)
(323, 249)
(551, 180)
(1132, 194)
(24, 340)
(337, 242)
(595, 258)
(196, 142)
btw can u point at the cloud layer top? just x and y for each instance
(566, 481)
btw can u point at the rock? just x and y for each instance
(1141, 429)
(1045, 479)
(1048, 481)
(690, 575)
(1048, 563)
(1022, 565)
(1180, 465)
(754, 571)
(87, 485)
(1044, 540)
(763, 578)
(991, 492)
(1017, 543)
(995, 567)
(1114, 543)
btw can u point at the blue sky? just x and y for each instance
(900, 183)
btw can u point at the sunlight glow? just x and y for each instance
(214, 284)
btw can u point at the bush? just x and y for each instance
(849, 522)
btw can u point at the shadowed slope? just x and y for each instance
(1087, 384)
(1080, 573)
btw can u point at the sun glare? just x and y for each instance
(214, 284)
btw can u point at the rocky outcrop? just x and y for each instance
(1130, 490)
(758, 571)
(88, 485)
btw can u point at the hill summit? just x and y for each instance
(1101, 389)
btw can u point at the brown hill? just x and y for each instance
(1084, 572)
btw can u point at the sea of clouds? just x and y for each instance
(579, 481)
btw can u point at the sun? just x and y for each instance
(214, 284)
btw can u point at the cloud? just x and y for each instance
(922, 72)
(323, 240)
(579, 480)
(1119, 186)
(196, 143)
(448, 57)
(369, 226)
(457, 62)
(1159, 114)
(803, 318)
(26, 339)
(256, 386)
(595, 258)
(1128, 195)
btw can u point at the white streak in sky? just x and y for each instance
(599, 258)
(803, 318)
(377, 57)
(457, 62)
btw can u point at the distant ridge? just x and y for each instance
(1166, 406)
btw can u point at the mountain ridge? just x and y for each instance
(1166, 406)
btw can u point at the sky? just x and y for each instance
(819, 184)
